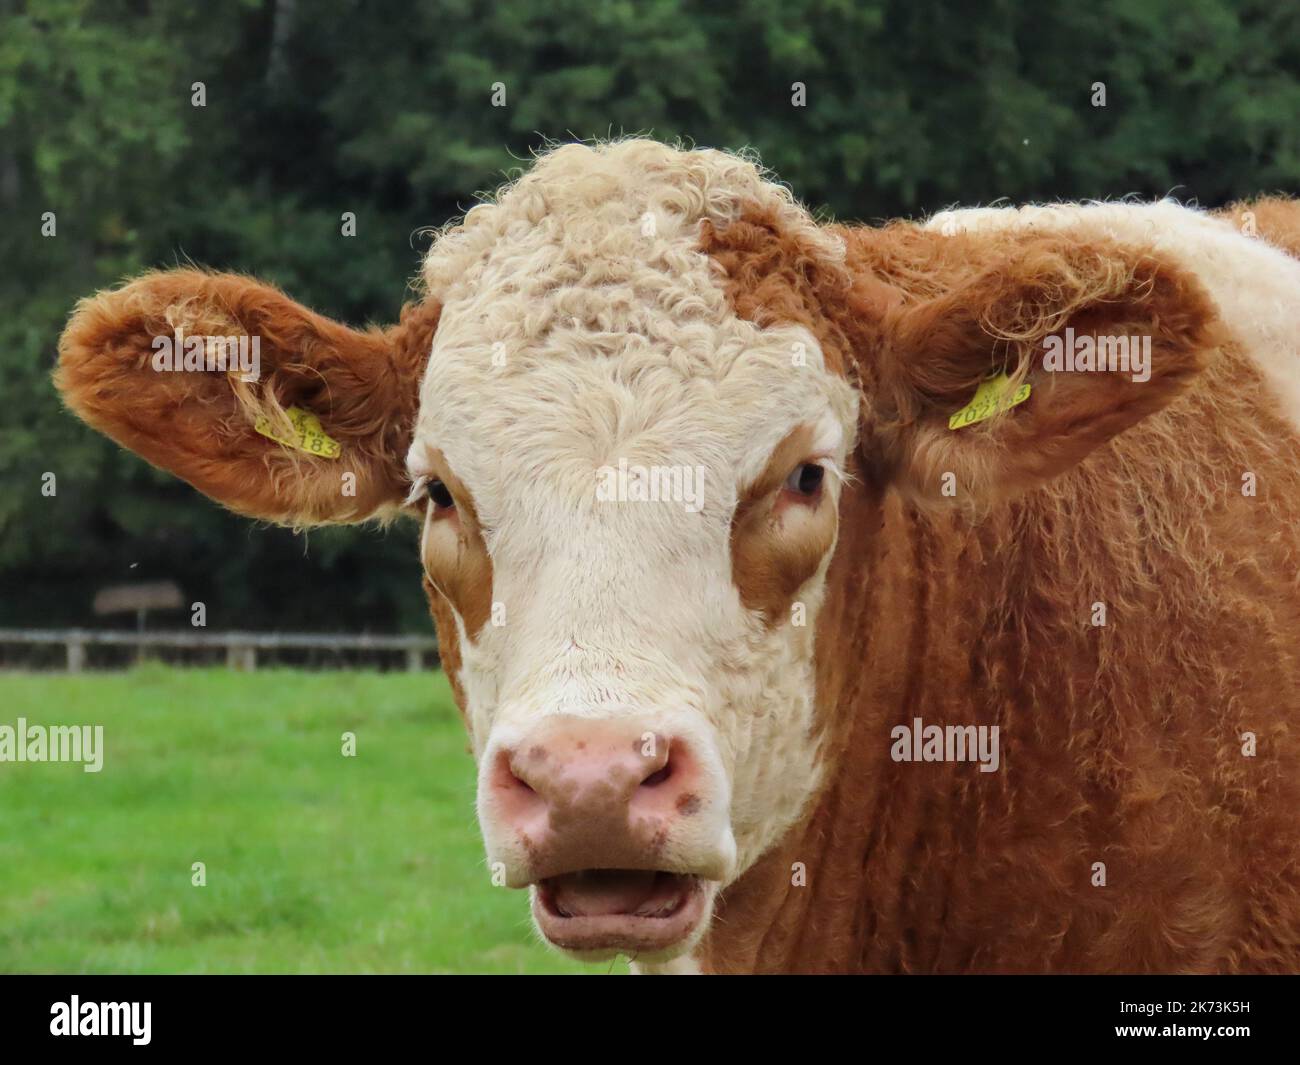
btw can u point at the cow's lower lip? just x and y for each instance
(614, 911)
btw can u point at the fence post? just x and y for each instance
(76, 653)
(414, 660)
(241, 656)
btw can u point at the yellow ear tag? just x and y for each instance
(993, 396)
(310, 437)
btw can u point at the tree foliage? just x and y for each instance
(385, 109)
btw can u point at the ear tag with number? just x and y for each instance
(993, 396)
(309, 436)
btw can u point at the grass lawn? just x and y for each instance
(315, 862)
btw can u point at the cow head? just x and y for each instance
(626, 413)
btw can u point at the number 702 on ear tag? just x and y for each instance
(993, 396)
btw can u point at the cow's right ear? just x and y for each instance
(274, 411)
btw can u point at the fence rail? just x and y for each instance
(241, 647)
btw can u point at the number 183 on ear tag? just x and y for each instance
(308, 434)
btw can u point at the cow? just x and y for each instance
(803, 614)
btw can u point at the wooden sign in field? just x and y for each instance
(157, 595)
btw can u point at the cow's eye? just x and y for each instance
(440, 495)
(806, 478)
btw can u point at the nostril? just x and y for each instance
(506, 777)
(672, 774)
(660, 773)
(658, 776)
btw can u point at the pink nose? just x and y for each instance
(595, 794)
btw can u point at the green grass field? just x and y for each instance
(315, 862)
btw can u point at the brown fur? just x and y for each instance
(1275, 218)
(1120, 743)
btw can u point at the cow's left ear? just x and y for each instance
(1103, 335)
(272, 410)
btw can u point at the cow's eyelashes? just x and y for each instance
(806, 479)
(440, 495)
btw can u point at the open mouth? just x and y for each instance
(619, 911)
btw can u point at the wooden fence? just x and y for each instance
(242, 649)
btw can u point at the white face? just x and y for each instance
(630, 711)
